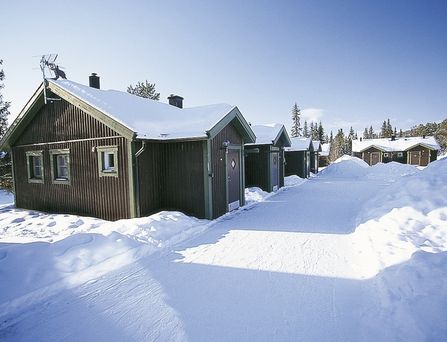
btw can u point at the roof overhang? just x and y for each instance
(423, 145)
(283, 135)
(23, 119)
(234, 116)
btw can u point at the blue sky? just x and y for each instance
(343, 62)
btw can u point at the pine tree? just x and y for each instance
(365, 134)
(371, 133)
(331, 138)
(296, 126)
(401, 133)
(5, 160)
(320, 132)
(389, 129)
(144, 89)
(4, 106)
(383, 130)
(338, 146)
(306, 130)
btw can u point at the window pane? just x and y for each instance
(36, 166)
(61, 166)
(109, 161)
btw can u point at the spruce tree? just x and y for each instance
(365, 134)
(144, 89)
(296, 126)
(4, 106)
(401, 133)
(371, 132)
(306, 130)
(320, 132)
(312, 130)
(5, 160)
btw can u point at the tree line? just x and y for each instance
(341, 143)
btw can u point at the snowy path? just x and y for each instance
(285, 269)
(257, 275)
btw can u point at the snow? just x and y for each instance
(400, 144)
(316, 145)
(299, 144)
(6, 197)
(356, 253)
(266, 134)
(149, 119)
(325, 149)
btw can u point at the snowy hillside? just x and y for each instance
(356, 253)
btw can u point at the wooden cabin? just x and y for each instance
(264, 160)
(418, 151)
(297, 157)
(323, 156)
(114, 155)
(314, 156)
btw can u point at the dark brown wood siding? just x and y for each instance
(61, 121)
(420, 155)
(150, 178)
(281, 168)
(87, 194)
(55, 126)
(171, 178)
(296, 163)
(367, 157)
(218, 183)
(256, 167)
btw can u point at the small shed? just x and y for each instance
(264, 160)
(297, 157)
(114, 155)
(323, 157)
(409, 150)
(314, 156)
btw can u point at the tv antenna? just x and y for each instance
(47, 63)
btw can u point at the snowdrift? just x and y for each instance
(345, 167)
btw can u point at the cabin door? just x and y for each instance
(415, 157)
(375, 158)
(234, 179)
(274, 162)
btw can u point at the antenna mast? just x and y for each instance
(47, 61)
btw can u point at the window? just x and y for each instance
(34, 161)
(60, 166)
(386, 155)
(400, 154)
(108, 161)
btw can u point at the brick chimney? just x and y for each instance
(175, 100)
(93, 80)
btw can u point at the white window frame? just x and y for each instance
(31, 178)
(102, 151)
(400, 154)
(386, 155)
(53, 164)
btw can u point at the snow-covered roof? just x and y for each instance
(400, 144)
(149, 119)
(316, 144)
(325, 149)
(299, 144)
(268, 134)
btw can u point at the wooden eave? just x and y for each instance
(423, 145)
(23, 119)
(283, 135)
(376, 147)
(239, 122)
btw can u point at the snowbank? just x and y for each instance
(408, 216)
(293, 180)
(391, 171)
(255, 194)
(6, 197)
(39, 250)
(345, 167)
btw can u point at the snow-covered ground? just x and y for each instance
(356, 253)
